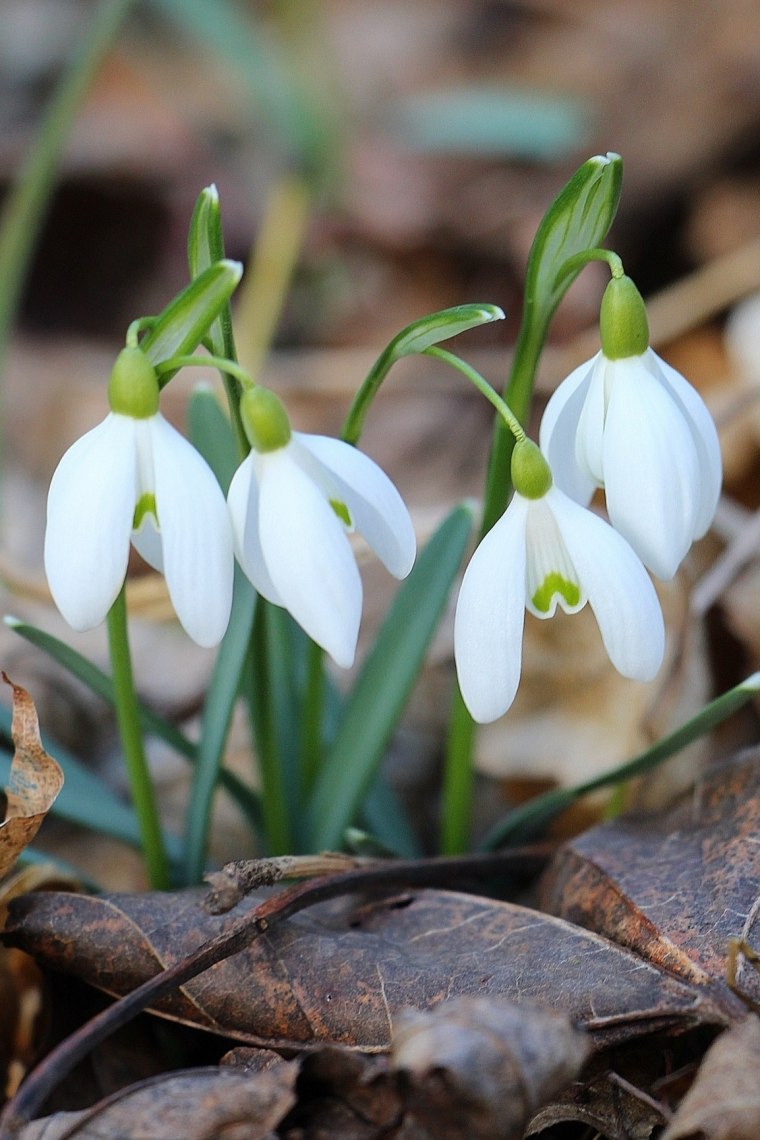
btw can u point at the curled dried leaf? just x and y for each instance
(34, 783)
(724, 1101)
(479, 1068)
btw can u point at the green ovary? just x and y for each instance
(146, 505)
(553, 584)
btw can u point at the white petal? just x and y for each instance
(558, 431)
(706, 441)
(243, 505)
(490, 616)
(90, 507)
(195, 532)
(148, 543)
(651, 472)
(619, 589)
(589, 442)
(309, 557)
(377, 509)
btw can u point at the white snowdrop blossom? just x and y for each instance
(293, 505)
(544, 552)
(633, 425)
(135, 478)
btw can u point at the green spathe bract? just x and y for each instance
(133, 387)
(442, 325)
(264, 419)
(186, 320)
(623, 324)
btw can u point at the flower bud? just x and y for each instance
(623, 324)
(264, 419)
(133, 387)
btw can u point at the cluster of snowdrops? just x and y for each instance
(625, 421)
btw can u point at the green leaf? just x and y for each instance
(211, 433)
(85, 798)
(387, 823)
(494, 121)
(101, 684)
(524, 822)
(578, 219)
(180, 328)
(377, 699)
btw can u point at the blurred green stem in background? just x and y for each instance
(26, 202)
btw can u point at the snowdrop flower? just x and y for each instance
(629, 422)
(133, 477)
(293, 501)
(547, 550)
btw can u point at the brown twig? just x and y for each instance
(240, 934)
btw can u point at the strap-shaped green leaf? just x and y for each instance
(380, 692)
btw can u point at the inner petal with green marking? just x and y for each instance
(343, 513)
(551, 578)
(568, 593)
(146, 505)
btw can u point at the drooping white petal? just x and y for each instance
(706, 442)
(490, 616)
(558, 432)
(619, 590)
(308, 556)
(651, 472)
(376, 507)
(243, 505)
(589, 442)
(90, 506)
(195, 532)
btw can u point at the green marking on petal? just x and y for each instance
(553, 584)
(342, 512)
(146, 505)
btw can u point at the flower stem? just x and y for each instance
(128, 719)
(580, 260)
(456, 808)
(510, 420)
(313, 712)
(360, 405)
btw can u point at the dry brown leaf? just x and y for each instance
(196, 1104)
(724, 1101)
(673, 887)
(341, 972)
(34, 783)
(478, 1068)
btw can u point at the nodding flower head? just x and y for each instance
(135, 478)
(292, 506)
